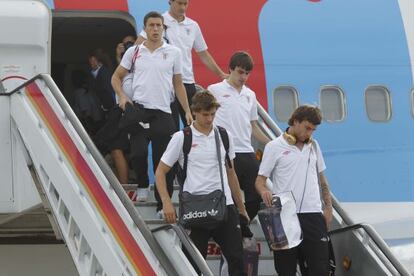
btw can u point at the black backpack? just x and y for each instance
(188, 139)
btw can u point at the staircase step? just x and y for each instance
(265, 267)
(147, 210)
(214, 250)
(38, 220)
(154, 223)
(264, 251)
(131, 188)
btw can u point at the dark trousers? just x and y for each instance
(228, 236)
(312, 253)
(159, 134)
(247, 167)
(177, 110)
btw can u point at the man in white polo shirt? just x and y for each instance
(295, 164)
(238, 114)
(185, 33)
(157, 74)
(203, 177)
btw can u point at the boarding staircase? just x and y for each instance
(83, 205)
(80, 198)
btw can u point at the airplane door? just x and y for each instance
(25, 34)
(25, 31)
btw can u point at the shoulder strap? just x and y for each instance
(134, 58)
(218, 149)
(306, 177)
(225, 139)
(188, 139)
(165, 34)
(315, 148)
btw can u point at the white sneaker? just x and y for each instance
(160, 214)
(142, 194)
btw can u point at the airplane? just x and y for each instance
(354, 59)
(356, 65)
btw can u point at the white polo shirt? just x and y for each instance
(236, 112)
(153, 75)
(203, 174)
(186, 35)
(127, 87)
(286, 166)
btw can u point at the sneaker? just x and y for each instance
(142, 194)
(160, 214)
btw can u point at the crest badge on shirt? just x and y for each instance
(165, 56)
(187, 30)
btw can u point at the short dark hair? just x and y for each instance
(152, 14)
(309, 113)
(169, 1)
(102, 57)
(131, 37)
(203, 100)
(241, 59)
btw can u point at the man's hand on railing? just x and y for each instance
(169, 212)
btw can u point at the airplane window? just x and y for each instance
(285, 101)
(378, 103)
(332, 103)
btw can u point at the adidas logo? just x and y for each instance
(192, 215)
(213, 212)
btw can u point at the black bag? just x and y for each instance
(132, 117)
(109, 132)
(204, 211)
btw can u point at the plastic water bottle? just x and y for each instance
(251, 256)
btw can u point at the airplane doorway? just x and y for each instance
(76, 33)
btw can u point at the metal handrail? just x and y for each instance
(383, 247)
(189, 246)
(268, 120)
(2, 90)
(378, 241)
(113, 181)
